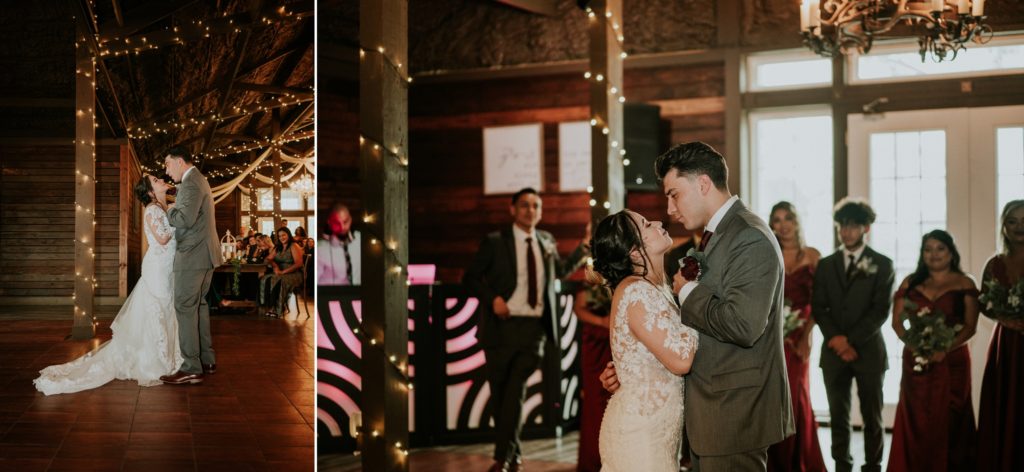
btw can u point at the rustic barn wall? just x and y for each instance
(37, 220)
(448, 212)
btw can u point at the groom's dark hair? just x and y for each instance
(694, 159)
(181, 152)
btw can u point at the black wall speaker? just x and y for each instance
(642, 130)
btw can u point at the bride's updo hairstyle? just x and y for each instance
(617, 235)
(144, 190)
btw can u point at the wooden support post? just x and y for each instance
(254, 198)
(383, 122)
(276, 120)
(606, 132)
(729, 41)
(85, 184)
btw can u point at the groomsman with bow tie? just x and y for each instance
(513, 275)
(851, 299)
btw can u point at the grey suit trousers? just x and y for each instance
(190, 287)
(756, 460)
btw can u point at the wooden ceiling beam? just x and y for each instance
(274, 89)
(544, 7)
(228, 84)
(118, 14)
(139, 18)
(184, 33)
(199, 95)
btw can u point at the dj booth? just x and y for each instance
(449, 401)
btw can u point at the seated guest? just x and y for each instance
(338, 249)
(286, 260)
(254, 254)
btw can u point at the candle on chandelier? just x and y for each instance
(978, 7)
(814, 17)
(962, 7)
(938, 6)
(805, 15)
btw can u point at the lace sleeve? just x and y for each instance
(156, 220)
(653, 323)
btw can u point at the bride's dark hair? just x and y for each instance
(617, 235)
(144, 190)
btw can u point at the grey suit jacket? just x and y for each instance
(737, 392)
(494, 272)
(195, 226)
(854, 308)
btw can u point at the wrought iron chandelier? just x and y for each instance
(942, 27)
(304, 184)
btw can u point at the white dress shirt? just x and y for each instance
(856, 255)
(518, 303)
(712, 227)
(331, 266)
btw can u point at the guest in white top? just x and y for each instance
(337, 251)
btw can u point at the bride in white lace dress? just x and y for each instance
(145, 341)
(651, 348)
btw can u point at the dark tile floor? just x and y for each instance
(255, 413)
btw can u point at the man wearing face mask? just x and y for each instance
(338, 256)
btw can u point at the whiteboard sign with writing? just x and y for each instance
(574, 156)
(513, 158)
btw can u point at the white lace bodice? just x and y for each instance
(643, 423)
(643, 377)
(159, 233)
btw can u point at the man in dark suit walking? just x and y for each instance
(851, 300)
(513, 275)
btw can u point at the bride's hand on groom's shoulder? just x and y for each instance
(609, 380)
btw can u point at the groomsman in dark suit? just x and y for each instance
(514, 275)
(852, 295)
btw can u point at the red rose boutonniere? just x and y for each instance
(693, 266)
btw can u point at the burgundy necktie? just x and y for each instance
(531, 274)
(704, 240)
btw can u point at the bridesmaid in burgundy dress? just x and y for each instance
(800, 452)
(934, 425)
(591, 307)
(1001, 416)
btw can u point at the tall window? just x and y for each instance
(787, 70)
(902, 62)
(908, 192)
(792, 161)
(1010, 165)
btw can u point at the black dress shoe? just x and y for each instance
(209, 369)
(182, 378)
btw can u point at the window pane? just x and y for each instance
(875, 66)
(290, 199)
(793, 160)
(267, 226)
(1010, 165)
(266, 202)
(784, 74)
(883, 155)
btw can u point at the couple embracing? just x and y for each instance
(720, 326)
(162, 332)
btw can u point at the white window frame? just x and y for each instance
(910, 46)
(753, 60)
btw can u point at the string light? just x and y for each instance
(193, 30)
(613, 89)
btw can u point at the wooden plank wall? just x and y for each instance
(37, 220)
(227, 214)
(447, 209)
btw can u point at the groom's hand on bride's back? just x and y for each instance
(609, 380)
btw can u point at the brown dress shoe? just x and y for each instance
(182, 378)
(209, 369)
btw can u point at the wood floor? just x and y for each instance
(256, 413)
(545, 455)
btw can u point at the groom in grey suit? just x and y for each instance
(737, 392)
(192, 216)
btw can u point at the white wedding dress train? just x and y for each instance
(643, 424)
(145, 341)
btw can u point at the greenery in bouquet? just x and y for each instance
(927, 332)
(1001, 303)
(236, 283)
(792, 320)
